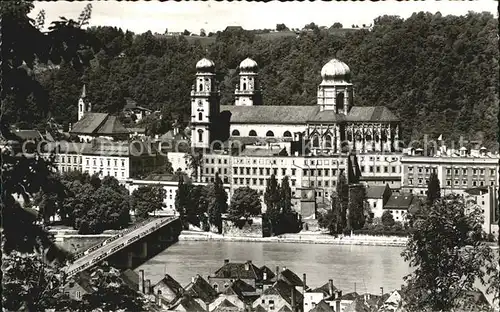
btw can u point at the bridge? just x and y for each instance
(130, 247)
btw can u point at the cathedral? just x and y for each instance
(328, 128)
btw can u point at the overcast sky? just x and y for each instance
(142, 16)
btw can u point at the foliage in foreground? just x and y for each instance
(447, 251)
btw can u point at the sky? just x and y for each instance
(142, 16)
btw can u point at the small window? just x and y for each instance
(269, 133)
(200, 116)
(252, 133)
(235, 133)
(287, 134)
(200, 135)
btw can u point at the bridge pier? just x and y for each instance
(130, 260)
(144, 250)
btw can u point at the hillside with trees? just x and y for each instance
(438, 73)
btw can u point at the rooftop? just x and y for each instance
(375, 191)
(399, 201)
(99, 124)
(234, 270)
(284, 290)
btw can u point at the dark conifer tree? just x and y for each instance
(433, 189)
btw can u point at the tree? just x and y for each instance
(186, 32)
(387, 218)
(245, 202)
(336, 25)
(203, 33)
(449, 256)
(356, 206)
(195, 161)
(217, 204)
(342, 189)
(328, 221)
(281, 27)
(433, 189)
(181, 199)
(148, 199)
(285, 196)
(272, 200)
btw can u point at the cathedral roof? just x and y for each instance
(335, 70)
(247, 64)
(371, 113)
(205, 64)
(265, 114)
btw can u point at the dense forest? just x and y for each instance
(438, 73)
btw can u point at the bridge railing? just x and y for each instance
(113, 238)
(107, 253)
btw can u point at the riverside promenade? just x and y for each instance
(301, 238)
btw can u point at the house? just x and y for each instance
(167, 290)
(377, 197)
(245, 292)
(200, 289)
(79, 286)
(235, 298)
(342, 302)
(280, 296)
(137, 132)
(289, 277)
(268, 277)
(393, 303)
(231, 271)
(327, 293)
(487, 200)
(366, 303)
(398, 205)
(132, 109)
(28, 135)
(99, 125)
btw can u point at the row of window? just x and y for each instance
(378, 158)
(269, 133)
(101, 162)
(67, 159)
(261, 171)
(455, 171)
(256, 181)
(378, 168)
(456, 182)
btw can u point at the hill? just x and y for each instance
(438, 73)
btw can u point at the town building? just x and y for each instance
(457, 170)
(168, 290)
(320, 296)
(399, 204)
(136, 112)
(280, 296)
(224, 277)
(486, 198)
(377, 196)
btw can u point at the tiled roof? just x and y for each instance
(189, 304)
(269, 272)
(371, 113)
(168, 177)
(291, 278)
(135, 148)
(321, 306)
(324, 289)
(326, 116)
(266, 114)
(260, 308)
(375, 191)
(99, 123)
(200, 288)
(131, 278)
(65, 147)
(399, 201)
(285, 308)
(172, 284)
(349, 296)
(239, 288)
(263, 152)
(28, 135)
(224, 304)
(238, 271)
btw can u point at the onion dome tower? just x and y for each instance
(335, 91)
(247, 92)
(205, 104)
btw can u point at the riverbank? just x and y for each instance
(301, 238)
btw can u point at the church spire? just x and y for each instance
(84, 93)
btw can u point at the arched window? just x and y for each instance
(252, 133)
(368, 136)
(217, 146)
(201, 87)
(235, 133)
(244, 86)
(328, 141)
(376, 136)
(316, 141)
(349, 136)
(359, 137)
(339, 101)
(200, 116)
(269, 133)
(81, 107)
(200, 135)
(384, 135)
(287, 134)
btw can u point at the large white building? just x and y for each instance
(246, 142)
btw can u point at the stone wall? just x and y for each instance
(250, 228)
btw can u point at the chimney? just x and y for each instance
(141, 281)
(159, 298)
(304, 285)
(294, 309)
(226, 261)
(330, 287)
(70, 126)
(339, 293)
(284, 268)
(277, 271)
(264, 276)
(148, 287)
(193, 279)
(247, 266)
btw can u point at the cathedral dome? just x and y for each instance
(205, 64)
(248, 64)
(335, 70)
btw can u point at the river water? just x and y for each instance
(360, 268)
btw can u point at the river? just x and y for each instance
(364, 268)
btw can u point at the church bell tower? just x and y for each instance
(247, 93)
(83, 104)
(205, 106)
